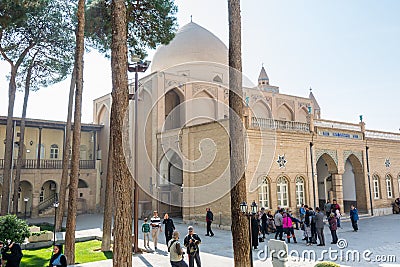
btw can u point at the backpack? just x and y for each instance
(173, 242)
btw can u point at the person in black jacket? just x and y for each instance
(191, 242)
(169, 227)
(14, 257)
(58, 259)
(209, 220)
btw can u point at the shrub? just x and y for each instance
(13, 228)
(326, 264)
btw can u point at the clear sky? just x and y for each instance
(347, 51)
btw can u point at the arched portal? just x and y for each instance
(326, 167)
(170, 184)
(353, 175)
(25, 198)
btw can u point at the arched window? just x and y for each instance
(282, 190)
(54, 151)
(299, 191)
(375, 183)
(389, 186)
(398, 180)
(263, 193)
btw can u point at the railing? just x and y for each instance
(337, 125)
(263, 123)
(382, 135)
(48, 202)
(49, 164)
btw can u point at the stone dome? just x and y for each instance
(191, 43)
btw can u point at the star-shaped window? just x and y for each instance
(281, 161)
(387, 163)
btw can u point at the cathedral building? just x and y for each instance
(293, 156)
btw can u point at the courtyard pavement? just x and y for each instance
(377, 240)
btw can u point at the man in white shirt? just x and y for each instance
(155, 223)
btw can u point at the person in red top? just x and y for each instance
(288, 227)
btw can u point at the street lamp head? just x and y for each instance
(243, 207)
(26, 199)
(253, 208)
(135, 58)
(55, 204)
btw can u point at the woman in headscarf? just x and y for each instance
(58, 259)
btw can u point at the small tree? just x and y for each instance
(13, 228)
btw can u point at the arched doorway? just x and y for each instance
(25, 198)
(326, 167)
(48, 195)
(353, 175)
(170, 184)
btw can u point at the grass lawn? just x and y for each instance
(84, 252)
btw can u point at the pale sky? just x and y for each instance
(347, 51)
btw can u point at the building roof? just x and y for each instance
(263, 75)
(192, 43)
(50, 124)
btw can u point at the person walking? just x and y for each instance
(354, 217)
(278, 224)
(146, 233)
(319, 226)
(169, 227)
(333, 227)
(175, 251)
(192, 242)
(12, 254)
(155, 223)
(288, 227)
(209, 220)
(58, 259)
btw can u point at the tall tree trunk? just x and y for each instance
(12, 87)
(122, 178)
(5, 200)
(108, 205)
(66, 154)
(76, 139)
(21, 146)
(240, 229)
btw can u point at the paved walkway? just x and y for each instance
(376, 235)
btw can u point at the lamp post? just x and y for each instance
(26, 203)
(136, 66)
(55, 205)
(244, 210)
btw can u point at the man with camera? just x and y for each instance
(191, 242)
(175, 251)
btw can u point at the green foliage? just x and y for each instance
(15, 13)
(13, 228)
(40, 233)
(45, 226)
(86, 252)
(326, 264)
(149, 22)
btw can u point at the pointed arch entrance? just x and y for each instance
(170, 184)
(354, 175)
(326, 168)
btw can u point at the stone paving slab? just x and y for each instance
(376, 234)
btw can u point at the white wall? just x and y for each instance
(349, 186)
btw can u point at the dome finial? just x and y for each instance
(191, 18)
(310, 89)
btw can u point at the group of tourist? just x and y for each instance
(176, 251)
(312, 223)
